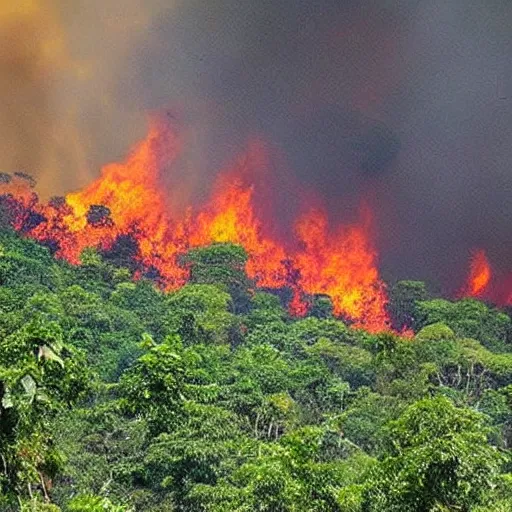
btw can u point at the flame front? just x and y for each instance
(343, 266)
(341, 262)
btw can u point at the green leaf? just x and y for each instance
(29, 385)
(45, 352)
(7, 402)
(42, 396)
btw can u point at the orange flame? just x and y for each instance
(480, 274)
(341, 263)
(484, 283)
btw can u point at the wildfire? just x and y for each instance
(480, 274)
(128, 199)
(482, 282)
(342, 265)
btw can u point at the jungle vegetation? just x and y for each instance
(117, 397)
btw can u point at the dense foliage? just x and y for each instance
(115, 396)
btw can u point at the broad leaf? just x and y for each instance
(45, 352)
(29, 385)
(7, 399)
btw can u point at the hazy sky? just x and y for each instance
(405, 103)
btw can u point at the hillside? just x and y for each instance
(116, 396)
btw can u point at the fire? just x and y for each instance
(230, 217)
(129, 199)
(480, 274)
(484, 283)
(342, 265)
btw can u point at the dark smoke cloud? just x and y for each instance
(402, 102)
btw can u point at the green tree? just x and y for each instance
(439, 460)
(404, 297)
(154, 386)
(39, 376)
(469, 318)
(90, 503)
(221, 264)
(199, 313)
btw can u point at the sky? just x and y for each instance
(404, 104)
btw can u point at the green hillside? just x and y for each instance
(117, 397)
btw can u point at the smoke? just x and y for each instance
(402, 103)
(25, 41)
(62, 65)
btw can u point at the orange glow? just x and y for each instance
(230, 217)
(484, 283)
(340, 262)
(480, 274)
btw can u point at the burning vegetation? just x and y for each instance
(128, 208)
(482, 283)
(127, 202)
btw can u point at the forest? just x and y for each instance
(116, 396)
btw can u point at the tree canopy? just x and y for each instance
(116, 396)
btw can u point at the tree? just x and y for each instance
(221, 264)
(439, 460)
(404, 297)
(154, 386)
(199, 313)
(321, 307)
(230, 404)
(39, 375)
(350, 363)
(202, 448)
(296, 475)
(364, 418)
(469, 318)
(90, 503)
